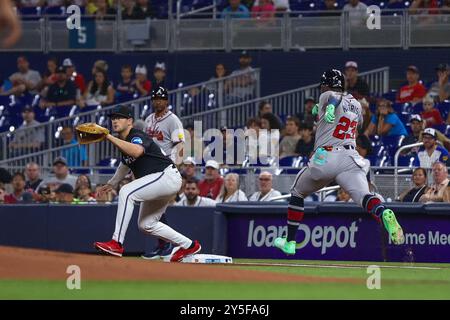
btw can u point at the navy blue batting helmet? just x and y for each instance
(333, 78)
(160, 93)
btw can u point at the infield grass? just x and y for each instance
(395, 284)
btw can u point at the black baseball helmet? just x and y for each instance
(333, 78)
(160, 93)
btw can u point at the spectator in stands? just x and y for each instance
(126, 89)
(25, 80)
(430, 115)
(77, 154)
(83, 194)
(357, 12)
(33, 175)
(45, 195)
(253, 124)
(99, 91)
(270, 121)
(230, 190)
(305, 146)
(445, 8)
(419, 179)
(355, 85)
(99, 65)
(263, 9)
(440, 89)
(385, 122)
(142, 85)
(212, 183)
(281, 5)
(192, 196)
(159, 75)
(367, 115)
(235, 10)
(242, 87)
(424, 4)
(129, 10)
(343, 196)
(416, 125)
(266, 192)
(62, 175)
(28, 140)
(307, 116)
(431, 152)
(75, 76)
(50, 76)
(144, 9)
(64, 193)
(83, 180)
(266, 107)
(331, 6)
(104, 197)
(363, 146)
(104, 10)
(291, 137)
(414, 91)
(439, 190)
(60, 94)
(189, 168)
(19, 194)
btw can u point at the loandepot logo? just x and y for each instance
(322, 237)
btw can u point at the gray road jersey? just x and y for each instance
(348, 117)
(165, 131)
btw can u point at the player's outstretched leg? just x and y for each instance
(374, 206)
(295, 215)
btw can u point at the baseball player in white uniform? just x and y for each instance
(157, 182)
(335, 158)
(167, 131)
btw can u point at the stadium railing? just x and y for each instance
(185, 100)
(298, 30)
(285, 103)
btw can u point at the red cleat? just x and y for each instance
(181, 253)
(112, 247)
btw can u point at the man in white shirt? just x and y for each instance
(439, 191)
(25, 79)
(266, 192)
(192, 196)
(357, 12)
(62, 176)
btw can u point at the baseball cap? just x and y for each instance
(245, 54)
(61, 160)
(213, 164)
(64, 188)
(430, 132)
(67, 63)
(442, 67)
(413, 69)
(27, 108)
(122, 111)
(190, 160)
(160, 66)
(159, 93)
(416, 117)
(141, 69)
(351, 64)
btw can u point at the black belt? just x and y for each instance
(330, 148)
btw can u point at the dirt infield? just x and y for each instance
(20, 263)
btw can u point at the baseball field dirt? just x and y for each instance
(38, 274)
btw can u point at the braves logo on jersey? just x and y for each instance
(155, 133)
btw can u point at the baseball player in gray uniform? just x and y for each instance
(335, 158)
(157, 182)
(167, 131)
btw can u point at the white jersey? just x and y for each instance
(166, 131)
(267, 197)
(239, 195)
(348, 114)
(200, 202)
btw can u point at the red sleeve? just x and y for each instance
(9, 199)
(420, 91)
(437, 117)
(148, 86)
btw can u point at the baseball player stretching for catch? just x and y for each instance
(335, 158)
(157, 182)
(167, 131)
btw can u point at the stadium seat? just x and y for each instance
(112, 163)
(444, 108)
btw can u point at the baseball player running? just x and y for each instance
(157, 182)
(335, 158)
(167, 131)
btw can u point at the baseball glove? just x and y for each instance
(90, 132)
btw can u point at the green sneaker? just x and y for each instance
(285, 246)
(392, 227)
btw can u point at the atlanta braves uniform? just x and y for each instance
(335, 156)
(157, 182)
(167, 131)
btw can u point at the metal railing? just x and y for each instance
(207, 95)
(285, 31)
(289, 102)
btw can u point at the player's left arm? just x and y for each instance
(131, 149)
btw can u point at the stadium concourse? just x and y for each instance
(220, 68)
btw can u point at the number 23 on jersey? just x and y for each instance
(345, 129)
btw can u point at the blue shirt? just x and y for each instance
(241, 12)
(423, 160)
(398, 129)
(75, 155)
